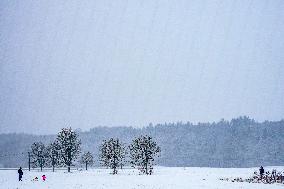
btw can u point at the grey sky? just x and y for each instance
(90, 63)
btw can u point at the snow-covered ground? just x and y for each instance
(163, 178)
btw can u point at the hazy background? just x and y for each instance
(89, 63)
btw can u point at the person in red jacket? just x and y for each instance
(43, 177)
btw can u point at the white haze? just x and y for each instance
(90, 63)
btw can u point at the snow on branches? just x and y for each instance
(112, 154)
(69, 145)
(53, 154)
(142, 153)
(38, 155)
(87, 159)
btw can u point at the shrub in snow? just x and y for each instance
(267, 178)
(142, 153)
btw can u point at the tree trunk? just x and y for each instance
(29, 161)
(86, 166)
(114, 164)
(69, 157)
(146, 165)
(53, 163)
(146, 169)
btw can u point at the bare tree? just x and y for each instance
(112, 154)
(69, 145)
(87, 159)
(142, 152)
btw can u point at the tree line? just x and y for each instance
(240, 142)
(114, 154)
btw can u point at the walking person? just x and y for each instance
(261, 172)
(20, 172)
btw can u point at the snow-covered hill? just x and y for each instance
(164, 178)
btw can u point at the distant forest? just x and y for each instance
(241, 142)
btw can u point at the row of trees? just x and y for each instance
(142, 153)
(61, 152)
(66, 148)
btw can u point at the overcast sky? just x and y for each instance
(119, 62)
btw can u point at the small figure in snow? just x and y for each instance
(20, 171)
(43, 177)
(35, 179)
(261, 172)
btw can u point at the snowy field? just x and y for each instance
(163, 178)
